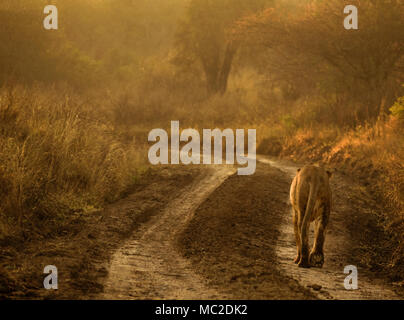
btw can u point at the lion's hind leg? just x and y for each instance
(304, 249)
(317, 253)
(297, 236)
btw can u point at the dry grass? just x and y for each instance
(59, 156)
(62, 154)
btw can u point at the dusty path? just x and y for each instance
(148, 266)
(236, 241)
(328, 281)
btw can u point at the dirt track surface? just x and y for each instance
(82, 247)
(231, 237)
(203, 233)
(148, 266)
(352, 229)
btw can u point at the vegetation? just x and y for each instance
(59, 156)
(76, 104)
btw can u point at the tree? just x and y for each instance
(310, 47)
(204, 38)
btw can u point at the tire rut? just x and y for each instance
(328, 281)
(148, 266)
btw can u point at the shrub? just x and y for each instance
(57, 156)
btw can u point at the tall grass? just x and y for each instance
(63, 154)
(59, 155)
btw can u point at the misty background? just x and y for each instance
(76, 104)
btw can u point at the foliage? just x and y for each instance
(95, 39)
(57, 157)
(398, 108)
(203, 38)
(310, 50)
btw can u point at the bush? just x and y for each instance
(58, 156)
(397, 109)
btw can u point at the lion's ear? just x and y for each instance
(329, 173)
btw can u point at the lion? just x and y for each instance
(310, 196)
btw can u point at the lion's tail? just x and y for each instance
(309, 208)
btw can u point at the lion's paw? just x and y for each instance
(316, 259)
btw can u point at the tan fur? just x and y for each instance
(310, 196)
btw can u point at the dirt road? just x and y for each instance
(329, 281)
(148, 266)
(230, 236)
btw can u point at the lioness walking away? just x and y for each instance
(310, 196)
